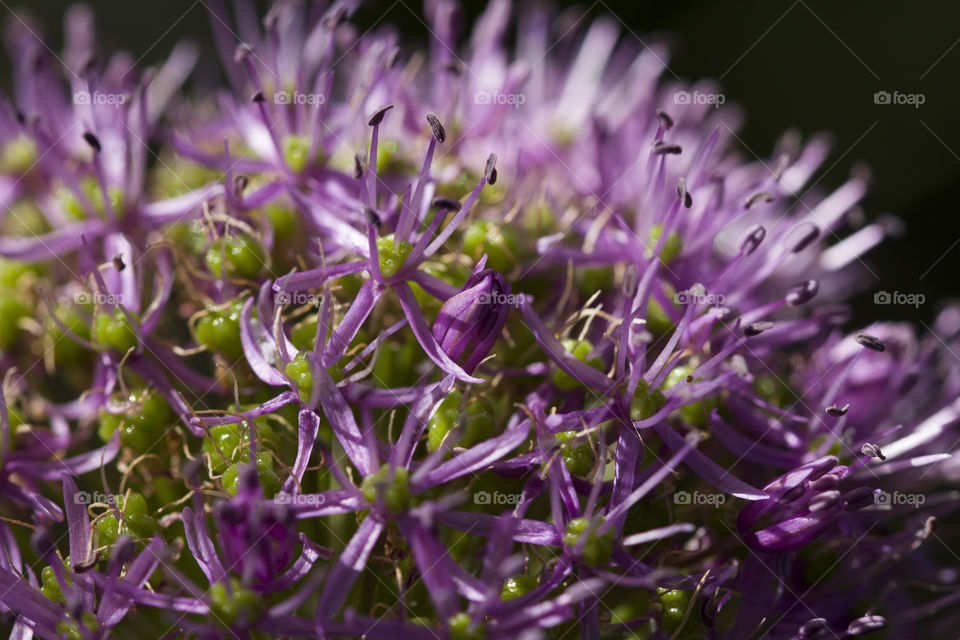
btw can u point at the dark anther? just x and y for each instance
(871, 342)
(93, 141)
(377, 116)
(437, 128)
(756, 328)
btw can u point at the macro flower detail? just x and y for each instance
(505, 338)
(469, 323)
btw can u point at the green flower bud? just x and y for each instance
(391, 485)
(581, 350)
(597, 549)
(392, 256)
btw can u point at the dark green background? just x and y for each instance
(813, 65)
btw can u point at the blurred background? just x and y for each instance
(813, 65)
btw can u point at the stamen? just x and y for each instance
(377, 116)
(660, 147)
(871, 342)
(93, 141)
(808, 234)
(837, 411)
(753, 239)
(756, 328)
(490, 171)
(447, 204)
(802, 293)
(665, 120)
(438, 131)
(759, 198)
(358, 166)
(872, 450)
(683, 194)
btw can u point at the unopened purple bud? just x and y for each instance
(470, 322)
(871, 342)
(802, 293)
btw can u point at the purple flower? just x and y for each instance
(470, 322)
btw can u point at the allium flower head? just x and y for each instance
(496, 340)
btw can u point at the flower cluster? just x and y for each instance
(470, 344)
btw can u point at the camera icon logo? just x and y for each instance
(881, 97)
(481, 97)
(283, 498)
(881, 297)
(681, 97)
(481, 497)
(681, 497)
(882, 498)
(81, 497)
(282, 297)
(81, 97)
(281, 97)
